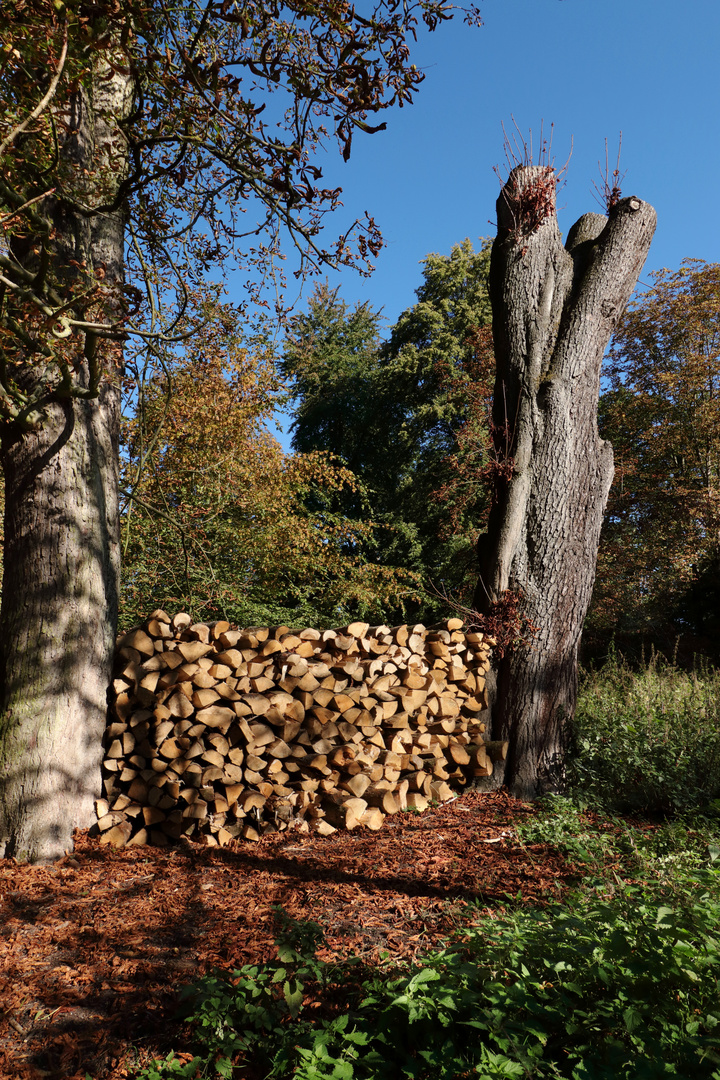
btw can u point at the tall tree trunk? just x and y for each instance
(60, 583)
(554, 309)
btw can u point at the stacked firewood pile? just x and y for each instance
(217, 733)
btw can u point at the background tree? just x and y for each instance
(132, 122)
(442, 380)
(219, 521)
(331, 356)
(554, 309)
(393, 411)
(659, 548)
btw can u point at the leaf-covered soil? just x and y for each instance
(94, 948)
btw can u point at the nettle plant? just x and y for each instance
(619, 983)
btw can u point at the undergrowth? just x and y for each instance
(648, 742)
(618, 982)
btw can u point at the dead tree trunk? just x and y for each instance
(554, 310)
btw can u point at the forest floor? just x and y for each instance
(94, 947)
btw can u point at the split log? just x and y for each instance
(284, 726)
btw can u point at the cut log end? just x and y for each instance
(220, 734)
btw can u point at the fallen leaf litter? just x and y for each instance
(93, 948)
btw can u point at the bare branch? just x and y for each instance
(20, 209)
(44, 101)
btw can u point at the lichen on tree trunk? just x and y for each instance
(554, 310)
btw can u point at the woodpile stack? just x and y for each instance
(217, 733)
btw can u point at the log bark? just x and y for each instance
(554, 310)
(61, 563)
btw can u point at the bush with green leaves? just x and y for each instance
(648, 741)
(616, 985)
(668, 853)
(619, 986)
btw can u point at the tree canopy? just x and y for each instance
(219, 521)
(661, 411)
(216, 116)
(384, 476)
(405, 414)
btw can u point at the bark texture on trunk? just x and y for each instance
(59, 609)
(61, 565)
(554, 310)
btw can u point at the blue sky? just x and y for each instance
(647, 68)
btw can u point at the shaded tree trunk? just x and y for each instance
(61, 565)
(554, 310)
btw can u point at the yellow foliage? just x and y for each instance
(220, 521)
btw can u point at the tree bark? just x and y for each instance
(61, 566)
(554, 310)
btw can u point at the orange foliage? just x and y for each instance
(219, 520)
(662, 415)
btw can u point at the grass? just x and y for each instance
(619, 982)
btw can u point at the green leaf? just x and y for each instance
(293, 997)
(224, 1067)
(426, 975)
(632, 1018)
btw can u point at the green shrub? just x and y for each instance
(667, 853)
(615, 985)
(621, 986)
(648, 741)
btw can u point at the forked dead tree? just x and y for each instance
(554, 309)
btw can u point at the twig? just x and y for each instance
(45, 101)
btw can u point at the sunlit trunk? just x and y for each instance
(554, 309)
(61, 565)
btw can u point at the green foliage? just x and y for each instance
(331, 360)
(668, 853)
(562, 824)
(245, 1015)
(184, 1068)
(380, 503)
(609, 986)
(219, 521)
(620, 983)
(398, 413)
(648, 741)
